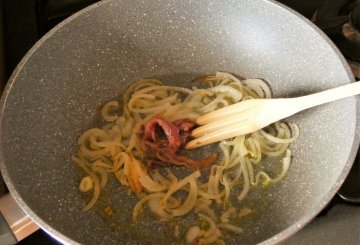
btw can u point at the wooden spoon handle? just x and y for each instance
(329, 95)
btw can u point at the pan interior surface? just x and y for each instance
(55, 93)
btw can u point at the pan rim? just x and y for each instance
(284, 234)
(38, 220)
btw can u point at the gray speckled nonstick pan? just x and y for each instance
(94, 55)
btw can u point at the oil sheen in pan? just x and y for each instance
(116, 202)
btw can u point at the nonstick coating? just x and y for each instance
(90, 58)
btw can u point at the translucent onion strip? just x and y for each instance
(232, 228)
(177, 186)
(138, 206)
(106, 111)
(189, 202)
(96, 181)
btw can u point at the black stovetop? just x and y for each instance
(25, 21)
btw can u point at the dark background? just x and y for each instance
(23, 22)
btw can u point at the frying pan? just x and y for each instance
(90, 58)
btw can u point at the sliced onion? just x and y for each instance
(295, 134)
(211, 222)
(177, 186)
(86, 184)
(103, 175)
(138, 206)
(225, 217)
(192, 233)
(235, 94)
(95, 179)
(259, 86)
(232, 228)
(156, 207)
(105, 111)
(189, 203)
(285, 167)
(150, 185)
(212, 238)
